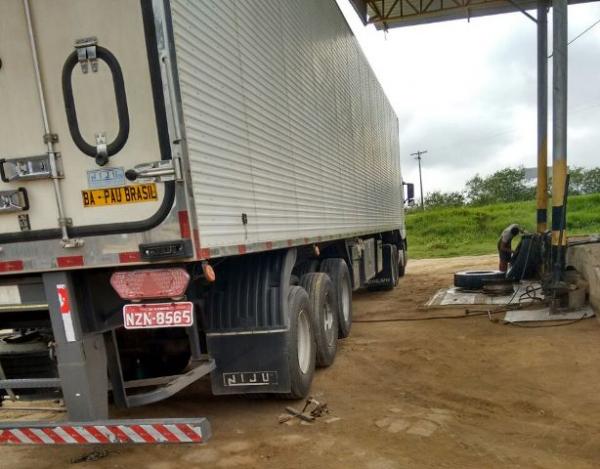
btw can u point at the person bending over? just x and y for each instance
(505, 251)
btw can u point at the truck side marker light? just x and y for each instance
(209, 272)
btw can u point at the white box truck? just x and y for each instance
(189, 187)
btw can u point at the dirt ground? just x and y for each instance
(466, 393)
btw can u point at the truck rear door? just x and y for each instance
(100, 77)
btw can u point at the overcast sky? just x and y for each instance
(466, 92)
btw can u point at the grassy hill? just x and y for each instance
(461, 231)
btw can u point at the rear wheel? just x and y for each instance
(301, 344)
(324, 314)
(337, 269)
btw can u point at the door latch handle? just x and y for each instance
(157, 171)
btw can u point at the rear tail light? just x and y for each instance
(150, 283)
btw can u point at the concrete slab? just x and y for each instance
(536, 315)
(457, 297)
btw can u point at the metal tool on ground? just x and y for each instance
(312, 410)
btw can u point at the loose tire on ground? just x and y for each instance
(325, 315)
(474, 279)
(338, 272)
(301, 344)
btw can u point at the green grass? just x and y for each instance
(461, 231)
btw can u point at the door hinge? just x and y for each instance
(157, 171)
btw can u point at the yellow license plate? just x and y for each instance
(119, 195)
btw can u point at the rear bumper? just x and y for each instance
(146, 431)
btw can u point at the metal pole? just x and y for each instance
(559, 139)
(417, 156)
(49, 138)
(542, 116)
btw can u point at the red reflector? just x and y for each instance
(69, 261)
(11, 266)
(125, 257)
(150, 283)
(184, 225)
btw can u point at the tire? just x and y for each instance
(338, 272)
(325, 315)
(474, 279)
(387, 279)
(301, 345)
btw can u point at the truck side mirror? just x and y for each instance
(410, 193)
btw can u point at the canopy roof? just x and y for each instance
(385, 14)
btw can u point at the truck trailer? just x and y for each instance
(188, 188)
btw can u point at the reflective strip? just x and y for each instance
(21, 437)
(142, 433)
(153, 433)
(53, 436)
(133, 436)
(31, 435)
(180, 436)
(42, 436)
(103, 434)
(11, 266)
(167, 435)
(69, 261)
(98, 435)
(184, 224)
(127, 257)
(87, 436)
(64, 436)
(189, 432)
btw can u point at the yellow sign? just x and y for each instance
(119, 195)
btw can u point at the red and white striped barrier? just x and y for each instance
(129, 431)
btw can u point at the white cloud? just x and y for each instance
(466, 92)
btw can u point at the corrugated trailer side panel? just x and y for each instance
(285, 122)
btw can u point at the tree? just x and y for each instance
(581, 181)
(576, 180)
(444, 199)
(591, 181)
(506, 185)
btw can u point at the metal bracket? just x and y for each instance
(101, 149)
(14, 200)
(51, 138)
(30, 167)
(86, 53)
(157, 171)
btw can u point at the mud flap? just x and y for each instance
(249, 363)
(247, 321)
